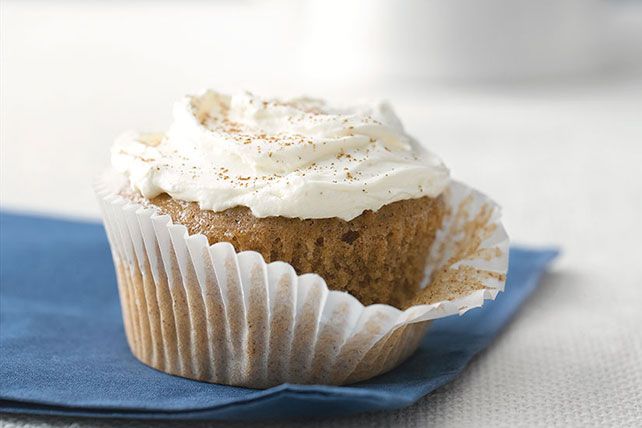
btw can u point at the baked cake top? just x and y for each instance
(293, 158)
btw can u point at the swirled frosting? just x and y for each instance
(293, 158)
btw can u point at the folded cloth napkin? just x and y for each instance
(63, 349)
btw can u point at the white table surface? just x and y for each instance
(563, 159)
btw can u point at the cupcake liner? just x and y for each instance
(209, 313)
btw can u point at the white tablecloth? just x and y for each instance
(564, 160)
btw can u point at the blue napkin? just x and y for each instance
(63, 348)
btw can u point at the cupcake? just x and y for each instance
(261, 241)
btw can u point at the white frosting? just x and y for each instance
(295, 158)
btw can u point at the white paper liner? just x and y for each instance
(209, 313)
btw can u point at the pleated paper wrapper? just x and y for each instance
(209, 313)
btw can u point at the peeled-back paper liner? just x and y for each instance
(209, 313)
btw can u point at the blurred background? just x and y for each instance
(537, 103)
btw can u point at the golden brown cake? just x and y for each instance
(342, 193)
(378, 257)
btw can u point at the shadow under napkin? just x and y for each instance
(63, 349)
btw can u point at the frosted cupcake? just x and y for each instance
(339, 199)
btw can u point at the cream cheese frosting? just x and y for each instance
(292, 158)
